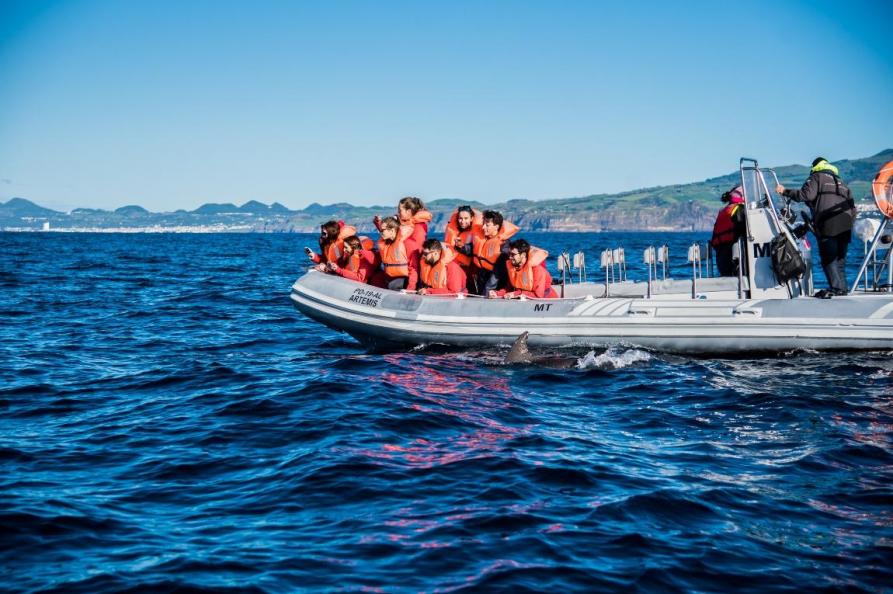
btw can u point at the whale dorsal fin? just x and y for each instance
(519, 352)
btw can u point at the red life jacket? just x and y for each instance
(724, 227)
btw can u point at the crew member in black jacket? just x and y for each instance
(833, 212)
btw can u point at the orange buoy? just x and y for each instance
(882, 188)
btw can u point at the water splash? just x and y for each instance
(613, 358)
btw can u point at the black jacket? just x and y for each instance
(830, 201)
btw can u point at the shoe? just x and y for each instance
(823, 294)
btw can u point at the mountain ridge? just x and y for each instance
(680, 207)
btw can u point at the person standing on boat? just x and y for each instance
(331, 242)
(489, 252)
(399, 264)
(730, 226)
(439, 271)
(527, 273)
(358, 262)
(833, 213)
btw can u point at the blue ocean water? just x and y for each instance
(168, 422)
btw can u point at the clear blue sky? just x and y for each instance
(173, 104)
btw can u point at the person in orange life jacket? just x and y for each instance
(439, 271)
(411, 212)
(399, 265)
(459, 235)
(833, 213)
(358, 263)
(527, 273)
(730, 226)
(489, 252)
(331, 240)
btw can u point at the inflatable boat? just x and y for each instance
(760, 310)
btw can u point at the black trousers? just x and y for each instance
(832, 251)
(726, 265)
(492, 280)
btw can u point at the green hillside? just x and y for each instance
(690, 206)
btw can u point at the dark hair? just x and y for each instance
(493, 216)
(331, 228)
(521, 245)
(818, 160)
(390, 223)
(432, 244)
(412, 203)
(465, 208)
(353, 241)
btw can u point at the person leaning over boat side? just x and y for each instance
(730, 226)
(331, 241)
(489, 252)
(833, 213)
(527, 273)
(357, 263)
(439, 271)
(399, 265)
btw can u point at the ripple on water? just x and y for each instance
(171, 423)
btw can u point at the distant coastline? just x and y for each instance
(683, 207)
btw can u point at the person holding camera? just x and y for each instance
(331, 242)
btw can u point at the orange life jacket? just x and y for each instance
(452, 232)
(435, 275)
(394, 258)
(336, 248)
(485, 252)
(724, 227)
(353, 262)
(522, 279)
(423, 216)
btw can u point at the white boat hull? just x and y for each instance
(715, 322)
